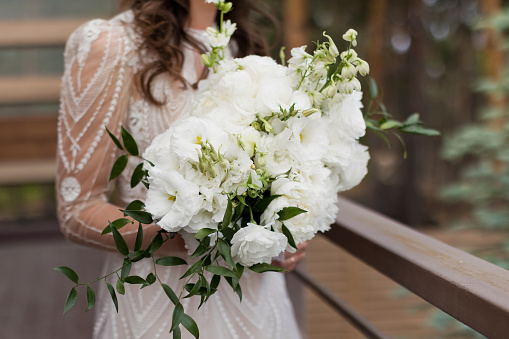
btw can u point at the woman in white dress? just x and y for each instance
(138, 70)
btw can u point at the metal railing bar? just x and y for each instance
(470, 289)
(348, 313)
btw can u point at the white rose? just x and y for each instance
(255, 244)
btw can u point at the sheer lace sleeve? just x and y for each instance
(95, 91)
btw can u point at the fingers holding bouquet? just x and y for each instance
(292, 260)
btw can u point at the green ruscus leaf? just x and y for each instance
(119, 166)
(178, 314)
(139, 238)
(177, 334)
(114, 138)
(71, 299)
(119, 223)
(227, 219)
(112, 294)
(190, 325)
(129, 143)
(90, 298)
(137, 175)
(170, 261)
(140, 216)
(120, 287)
(261, 205)
(224, 250)
(170, 293)
(289, 236)
(220, 270)
(119, 241)
(136, 205)
(69, 273)
(135, 280)
(260, 268)
(289, 212)
(204, 232)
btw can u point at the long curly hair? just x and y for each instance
(162, 26)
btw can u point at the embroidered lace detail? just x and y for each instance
(70, 189)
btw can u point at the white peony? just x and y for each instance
(353, 174)
(256, 244)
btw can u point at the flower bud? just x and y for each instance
(350, 36)
(348, 71)
(310, 111)
(363, 67)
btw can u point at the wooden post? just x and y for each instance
(377, 20)
(295, 17)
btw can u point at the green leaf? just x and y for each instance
(220, 270)
(119, 241)
(289, 212)
(416, 129)
(136, 205)
(261, 205)
(390, 124)
(114, 138)
(90, 298)
(126, 269)
(204, 232)
(263, 267)
(169, 292)
(170, 261)
(227, 219)
(119, 223)
(412, 119)
(120, 287)
(151, 278)
(129, 143)
(118, 166)
(289, 236)
(194, 288)
(178, 314)
(113, 295)
(177, 334)
(135, 280)
(71, 299)
(190, 325)
(140, 216)
(139, 238)
(234, 283)
(201, 249)
(156, 243)
(224, 250)
(214, 282)
(373, 88)
(69, 273)
(137, 175)
(195, 268)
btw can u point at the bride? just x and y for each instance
(140, 70)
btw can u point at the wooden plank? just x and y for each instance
(29, 90)
(27, 172)
(468, 288)
(37, 33)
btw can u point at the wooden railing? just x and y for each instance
(471, 290)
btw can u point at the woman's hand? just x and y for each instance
(292, 259)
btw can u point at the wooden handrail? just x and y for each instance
(37, 33)
(470, 289)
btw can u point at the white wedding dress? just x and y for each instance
(98, 90)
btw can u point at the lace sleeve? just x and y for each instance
(95, 91)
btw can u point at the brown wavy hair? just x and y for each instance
(162, 26)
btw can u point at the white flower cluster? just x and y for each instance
(260, 129)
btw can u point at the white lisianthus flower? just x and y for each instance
(256, 244)
(216, 38)
(171, 199)
(351, 36)
(248, 138)
(229, 28)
